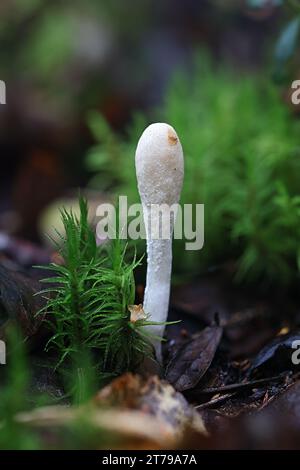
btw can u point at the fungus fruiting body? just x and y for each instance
(160, 170)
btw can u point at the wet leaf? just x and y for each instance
(276, 355)
(194, 358)
(18, 302)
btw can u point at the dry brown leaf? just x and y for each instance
(153, 397)
(137, 412)
(193, 358)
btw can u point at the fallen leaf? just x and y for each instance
(276, 355)
(18, 303)
(133, 412)
(154, 397)
(193, 358)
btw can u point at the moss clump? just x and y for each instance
(88, 301)
(242, 160)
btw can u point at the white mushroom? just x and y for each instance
(159, 169)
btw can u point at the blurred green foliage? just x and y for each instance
(50, 42)
(18, 396)
(242, 160)
(14, 386)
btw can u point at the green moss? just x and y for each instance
(242, 155)
(88, 300)
(14, 386)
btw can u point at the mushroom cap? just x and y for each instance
(159, 165)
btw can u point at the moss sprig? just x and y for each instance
(88, 300)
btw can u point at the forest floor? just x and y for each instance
(231, 366)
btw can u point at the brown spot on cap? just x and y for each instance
(172, 137)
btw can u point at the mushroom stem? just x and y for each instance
(157, 291)
(159, 168)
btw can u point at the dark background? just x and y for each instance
(60, 59)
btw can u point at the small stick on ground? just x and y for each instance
(238, 386)
(214, 401)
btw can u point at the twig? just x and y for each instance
(214, 401)
(238, 386)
